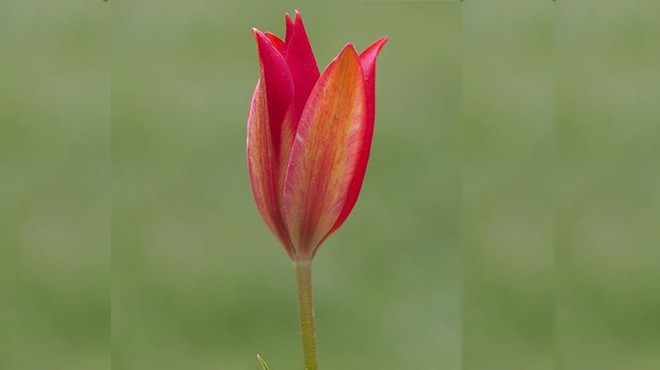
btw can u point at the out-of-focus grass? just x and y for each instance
(54, 185)
(507, 185)
(607, 136)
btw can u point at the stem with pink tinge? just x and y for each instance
(306, 312)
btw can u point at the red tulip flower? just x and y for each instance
(308, 143)
(309, 136)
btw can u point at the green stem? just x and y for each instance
(306, 312)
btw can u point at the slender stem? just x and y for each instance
(306, 312)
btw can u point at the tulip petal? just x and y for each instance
(276, 41)
(268, 131)
(302, 63)
(368, 60)
(325, 153)
(288, 22)
(278, 83)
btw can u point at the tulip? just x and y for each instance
(309, 136)
(308, 143)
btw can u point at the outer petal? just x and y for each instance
(267, 130)
(368, 60)
(278, 84)
(302, 63)
(325, 153)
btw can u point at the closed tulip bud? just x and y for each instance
(309, 136)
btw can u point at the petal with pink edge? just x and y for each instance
(267, 123)
(368, 59)
(325, 153)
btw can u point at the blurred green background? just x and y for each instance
(509, 217)
(55, 185)
(198, 280)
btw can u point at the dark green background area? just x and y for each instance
(508, 220)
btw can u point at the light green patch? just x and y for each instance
(263, 363)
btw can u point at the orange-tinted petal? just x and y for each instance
(368, 59)
(325, 153)
(263, 174)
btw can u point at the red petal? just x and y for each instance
(368, 60)
(325, 153)
(289, 28)
(268, 132)
(302, 64)
(279, 90)
(276, 41)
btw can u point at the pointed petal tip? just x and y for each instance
(265, 38)
(378, 44)
(369, 55)
(263, 42)
(288, 24)
(347, 51)
(257, 33)
(258, 38)
(298, 21)
(348, 46)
